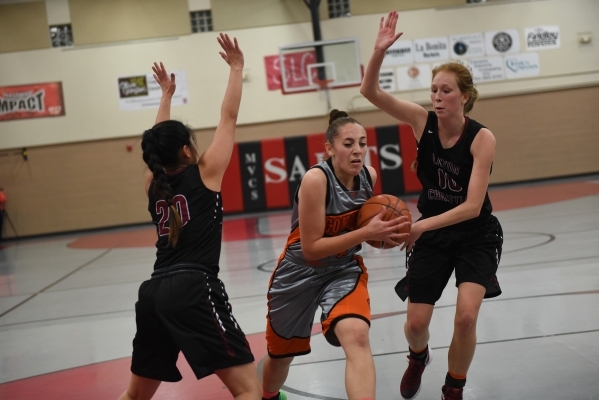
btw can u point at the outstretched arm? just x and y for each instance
(168, 86)
(215, 159)
(405, 111)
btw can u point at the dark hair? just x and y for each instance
(161, 147)
(337, 119)
(464, 80)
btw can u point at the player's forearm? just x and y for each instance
(329, 246)
(164, 109)
(370, 84)
(232, 99)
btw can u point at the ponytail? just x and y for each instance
(162, 189)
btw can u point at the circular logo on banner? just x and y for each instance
(460, 48)
(502, 42)
(413, 72)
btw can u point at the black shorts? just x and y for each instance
(187, 312)
(474, 254)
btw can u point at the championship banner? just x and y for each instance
(31, 101)
(265, 175)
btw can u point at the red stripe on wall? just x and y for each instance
(375, 162)
(407, 144)
(276, 186)
(315, 147)
(231, 187)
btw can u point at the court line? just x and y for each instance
(501, 266)
(446, 347)
(55, 282)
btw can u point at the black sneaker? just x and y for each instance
(410, 383)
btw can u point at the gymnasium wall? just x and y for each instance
(80, 175)
(89, 73)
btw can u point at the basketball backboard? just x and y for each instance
(305, 66)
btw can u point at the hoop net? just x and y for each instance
(323, 84)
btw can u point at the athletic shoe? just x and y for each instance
(280, 396)
(451, 393)
(410, 383)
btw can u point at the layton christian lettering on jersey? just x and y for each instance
(446, 182)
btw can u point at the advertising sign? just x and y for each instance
(415, 76)
(31, 101)
(400, 52)
(502, 42)
(469, 45)
(522, 66)
(387, 80)
(486, 69)
(142, 91)
(542, 38)
(431, 49)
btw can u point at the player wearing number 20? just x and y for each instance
(184, 306)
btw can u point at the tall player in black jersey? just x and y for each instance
(457, 231)
(184, 306)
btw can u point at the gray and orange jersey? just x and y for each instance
(341, 212)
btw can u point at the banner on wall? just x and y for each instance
(431, 49)
(542, 38)
(487, 69)
(470, 45)
(502, 42)
(387, 79)
(31, 101)
(142, 91)
(522, 65)
(400, 52)
(417, 76)
(265, 175)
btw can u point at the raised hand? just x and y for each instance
(387, 36)
(232, 53)
(166, 81)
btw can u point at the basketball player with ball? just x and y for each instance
(319, 266)
(457, 232)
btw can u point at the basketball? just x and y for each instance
(395, 208)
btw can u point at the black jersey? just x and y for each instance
(445, 173)
(201, 213)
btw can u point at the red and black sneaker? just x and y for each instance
(451, 393)
(410, 383)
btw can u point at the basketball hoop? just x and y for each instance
(323, 86)
(322, 83)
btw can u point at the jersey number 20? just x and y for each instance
(164, 210)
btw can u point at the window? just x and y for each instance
(339, 8)
(61, 35)
(201, 21)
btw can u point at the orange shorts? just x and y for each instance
(296, 292)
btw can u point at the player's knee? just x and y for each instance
(465, 322)
(417, 326)
(358, 338)
(353, 334)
